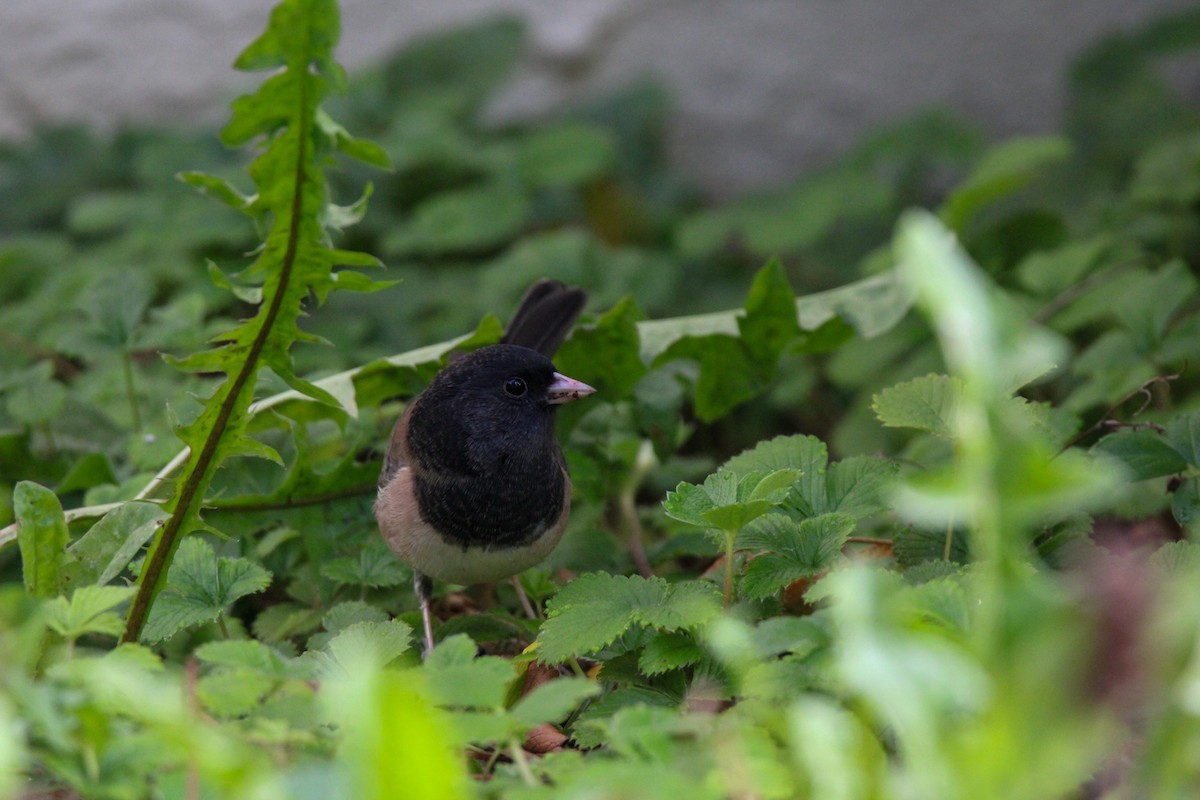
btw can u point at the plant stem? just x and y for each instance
(518, 756)
(221, 625)
(131, 390)
(949, 540)
(730, 536)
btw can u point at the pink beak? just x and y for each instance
(565, 389)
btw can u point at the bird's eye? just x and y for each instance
(515, 387)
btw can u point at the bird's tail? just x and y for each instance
(545, 316)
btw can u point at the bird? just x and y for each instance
(474, 486)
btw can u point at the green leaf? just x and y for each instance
(244, 654)
(606, 355)
(770, 322)
(33, 397)
(1183, 435)
(294, 264)
(594, 609)
(1185, 504)
(793, 550)
(464, 219)
(88, 611)
(1144, 452)
(106, 549)
(1003, 170)
(553, 700)
(200, 587)
(42, 538)
(926, 404)
(363, 644)
(564, 155)
(375, 566)
(460, 679)
(669, 651)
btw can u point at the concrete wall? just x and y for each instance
(764, 88)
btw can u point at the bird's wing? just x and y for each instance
(397, 456)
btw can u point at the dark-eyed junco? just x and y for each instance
(474, 486)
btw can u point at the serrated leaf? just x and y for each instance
(925, 403)
(553, 700)
(200, 587)
(457, 678)
(669, 651)
(374, 566)
(347, 613)
(688, 503)
(42, 538)
(594, 609)
(793, 551)
(293, 264)
(363, 645)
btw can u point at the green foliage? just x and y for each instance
(933, 592)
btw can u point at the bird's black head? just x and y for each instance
(489, 408)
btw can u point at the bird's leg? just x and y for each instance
(525, 604)
(423, 587)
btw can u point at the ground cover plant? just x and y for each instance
(872, 501)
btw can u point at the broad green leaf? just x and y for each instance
(1183, 435)
(200, 587)
(1003, 170)
(463, 219)
(926, 404)
(1143, 452)
(42, 538)
(106, 549)
(564, 155)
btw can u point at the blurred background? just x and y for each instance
(760, 90)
